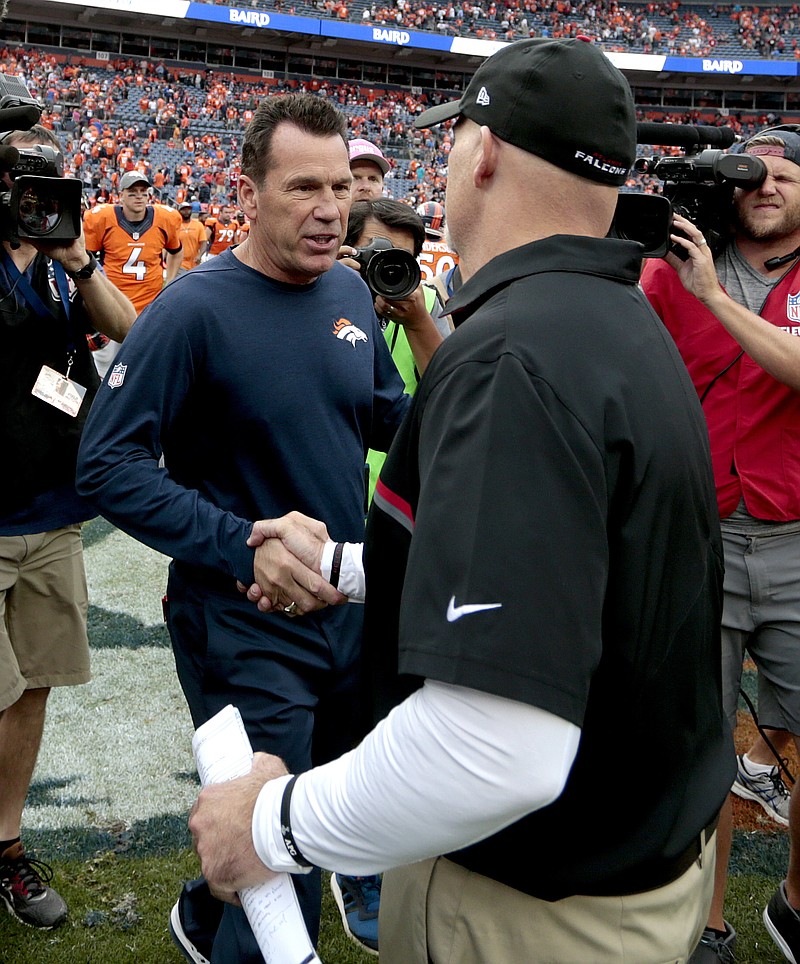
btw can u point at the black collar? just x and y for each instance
(603, 257)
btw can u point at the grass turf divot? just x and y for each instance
(119, 906)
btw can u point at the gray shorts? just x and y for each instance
(43, 608)
(761, 616)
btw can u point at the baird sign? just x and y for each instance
(723, 66)
(253, 18)
(391, 36)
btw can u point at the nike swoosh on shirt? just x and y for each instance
(456, 612)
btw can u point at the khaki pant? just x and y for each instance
(436, 912)
(43, 608)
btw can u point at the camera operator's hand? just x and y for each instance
(108, 309)
(775, 350)
(72, 254)
(411, 312)
(697, 273)
(420, 328)
(347, 255)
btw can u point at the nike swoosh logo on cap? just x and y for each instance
(456, 612)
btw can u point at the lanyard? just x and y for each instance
(35, 303)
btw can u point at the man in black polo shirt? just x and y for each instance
(544, 569)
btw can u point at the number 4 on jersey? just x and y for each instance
(134, 266)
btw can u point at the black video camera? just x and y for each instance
(389, 272)
(699, 185)
(41, 204)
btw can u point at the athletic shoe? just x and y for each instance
(765, 788)
(359, 900)
(783, 923)
(24, 890)
(714, 949)
(180, 939)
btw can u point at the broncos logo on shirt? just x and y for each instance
(346, 331)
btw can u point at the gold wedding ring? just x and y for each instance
(291, 609)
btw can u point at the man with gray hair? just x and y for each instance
(544, 570)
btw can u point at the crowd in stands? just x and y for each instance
(666, 27)
(182, 128)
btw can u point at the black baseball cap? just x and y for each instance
(562, 100)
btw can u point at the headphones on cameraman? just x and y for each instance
(792, 153)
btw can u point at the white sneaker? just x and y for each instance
(180, 938)
(765, 788)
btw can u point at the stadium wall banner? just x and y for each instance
(378, 34)
(652, 63)
(263, 19)
(709, 65)
(396, 37)
(472, 47)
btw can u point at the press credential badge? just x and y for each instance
(59, 390)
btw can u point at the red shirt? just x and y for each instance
(753, 419)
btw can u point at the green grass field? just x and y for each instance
(115, 781)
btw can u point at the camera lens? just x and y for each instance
(38, 214)
(394, 274)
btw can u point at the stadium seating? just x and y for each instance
(120, 117)
(665, 27)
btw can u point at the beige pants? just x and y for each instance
(43, 607)
(436, 912)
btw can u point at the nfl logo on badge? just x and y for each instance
(117, 376)
(793, 307)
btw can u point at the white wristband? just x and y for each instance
(351, 569)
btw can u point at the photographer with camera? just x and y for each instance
(735, 319)
(52, 296)
(384, 241)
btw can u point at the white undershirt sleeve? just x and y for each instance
(448, 767)
(351, 570)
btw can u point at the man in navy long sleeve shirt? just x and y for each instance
(261, 378)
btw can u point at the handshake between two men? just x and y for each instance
(290, 559)
(291, 553)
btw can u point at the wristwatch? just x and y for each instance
(86, 272)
